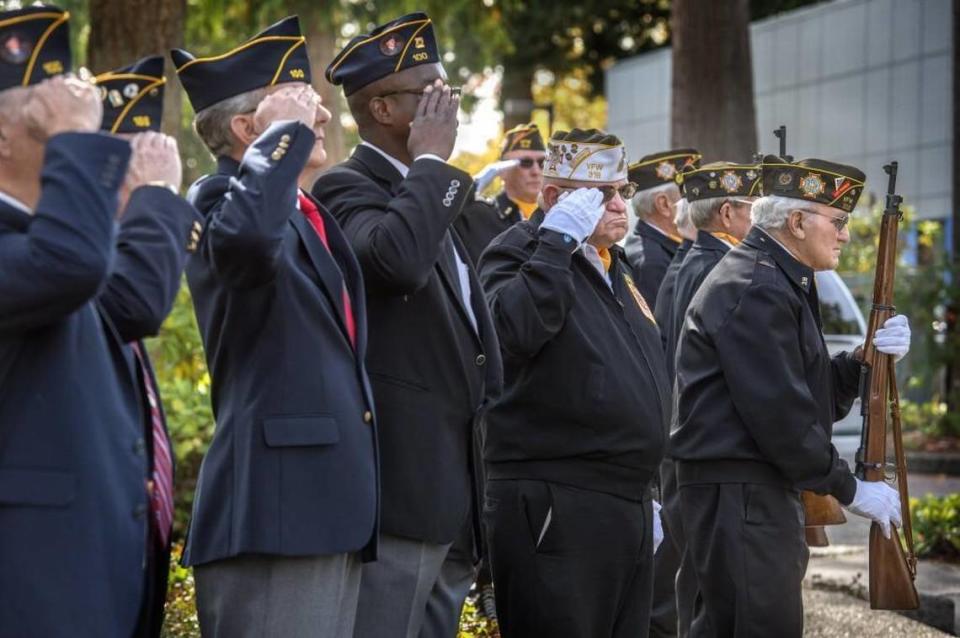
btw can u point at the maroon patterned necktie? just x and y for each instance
(160, 487)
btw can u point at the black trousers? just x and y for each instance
(746, 543)
(675, 592)
(568, 562)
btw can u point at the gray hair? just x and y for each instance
(643, 201)
(771, 212)
(682, 218)
(212, 124)
(702, 211)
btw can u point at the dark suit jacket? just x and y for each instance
(73, 504)
(658, 252)
(430, 369)
(483, 220)
(292, 466)
(664, 303)
(151, 253)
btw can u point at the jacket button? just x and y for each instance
(139, 447)
(368, 417)
(481, 359)
(140, 511)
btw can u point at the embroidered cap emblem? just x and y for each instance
(812, 185)
(730, 181)
(666, 170)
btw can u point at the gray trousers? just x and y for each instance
(415, 589)
(260, 596)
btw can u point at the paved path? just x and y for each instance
(835, 615)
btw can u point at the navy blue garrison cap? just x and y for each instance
(133, 97)
(34, 45)
(276, 55)
(390, 48)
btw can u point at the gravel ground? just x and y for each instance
(830, 614)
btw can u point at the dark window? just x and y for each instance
(837, 308)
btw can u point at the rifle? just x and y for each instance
(892, 573)
(818, 510)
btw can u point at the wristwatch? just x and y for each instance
(162, 184)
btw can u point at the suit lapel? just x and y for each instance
(324, 264)
(379, 168)
(447, 266)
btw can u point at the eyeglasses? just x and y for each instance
(454, 90)
(626, 191)
(527, 162)
(744, 202)
(838, 222)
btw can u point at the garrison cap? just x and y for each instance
(133, 96)
(277, 54)
(662, 168)
(813, 180)
(399, 44)
(586, 156)
(722, 179)
(525, 137)
(34, 45)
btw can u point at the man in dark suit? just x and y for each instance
(521, 169)
(655, 238)
(157, 228)
(286, 503)
(433, 353)
(73, 498)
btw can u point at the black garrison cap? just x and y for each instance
(276, 55)
(523, 137)
(133, 96)
(722, 179)
(814, 180)
(34, 45)
(662, 168)
(390, 48)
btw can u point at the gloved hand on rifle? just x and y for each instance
(894, 337)
(879, 502)
(490, 171)
(576, 213)
(657, 526)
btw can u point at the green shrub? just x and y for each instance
(936, 526)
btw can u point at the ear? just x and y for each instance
(551, 194)
(381, 110)
(243, 129)
(661, 204)
(795, 224)
(726, 215)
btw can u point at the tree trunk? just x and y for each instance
(712, 107)
(516, 95)
(322, 46)
(123, 32)
(952, 376)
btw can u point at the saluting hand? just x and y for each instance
(155, 160)
(62, 104)
(433, 130)
(298, 103)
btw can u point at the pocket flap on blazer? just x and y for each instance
(300, 431)
(37, 487)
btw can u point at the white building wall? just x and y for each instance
(855, 81)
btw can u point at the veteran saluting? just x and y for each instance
(433, 353)
(573, 444)
(286, 503)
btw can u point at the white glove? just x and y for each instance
(576, 214)
(490, 171)
(878, 502)
(657, 526)
(894, 337)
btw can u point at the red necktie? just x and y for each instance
(312, 213)
(161, 494)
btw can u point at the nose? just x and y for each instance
(323, 115)
(844, 235)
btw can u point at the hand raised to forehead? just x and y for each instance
(434, 127)
(62, 104)
(155, 158)
(298, 103)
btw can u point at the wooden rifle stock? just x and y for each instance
(892, 572)
(816, 536)
(820, 510)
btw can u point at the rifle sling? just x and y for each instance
(901, 465)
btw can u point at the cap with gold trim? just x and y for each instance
(133, 96)
(586, 156)
(34, 45)
(399, 44)
(662, 168)
(814, 180)
(278, 54)
(525, 137)
(721, 179)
